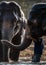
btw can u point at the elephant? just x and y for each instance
(37, 26)
(13, 31)
(18, 36)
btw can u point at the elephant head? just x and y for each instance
(37, 20)
(13, 26)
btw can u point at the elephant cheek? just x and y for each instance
(7, 34)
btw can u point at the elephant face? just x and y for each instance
(13, 26)
(10, 24)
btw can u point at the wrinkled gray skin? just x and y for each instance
(12, 31)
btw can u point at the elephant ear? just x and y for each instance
(16, 8)
(18, 38)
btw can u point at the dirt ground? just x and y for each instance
(28, 53)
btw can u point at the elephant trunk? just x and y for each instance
(25, 42)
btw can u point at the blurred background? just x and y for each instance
(26, 6)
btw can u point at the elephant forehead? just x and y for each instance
(8, 16)
(6, 5)
(10, 6)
